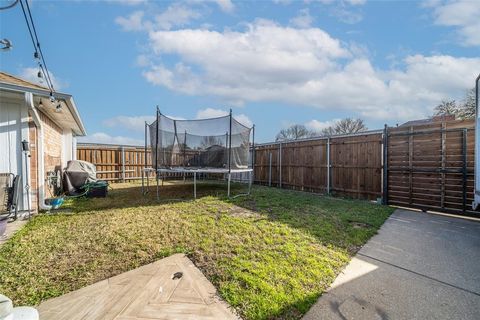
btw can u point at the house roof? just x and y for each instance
(8, 78)
(416, 122)
(433, 119)
(69, 119)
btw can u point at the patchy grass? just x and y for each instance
(271, 255)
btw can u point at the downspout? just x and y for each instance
(41, 154)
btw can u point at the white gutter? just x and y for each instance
(41, 154)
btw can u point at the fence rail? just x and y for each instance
(427, 166)
(432, 166)
(114, 163)
(348, 165)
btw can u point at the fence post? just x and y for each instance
(464, 169)
(328, 165)
(385, 166)
(410, 165)
(253, 155)
(280, 165)
(123, 164)
(443, 134)
(270, 169)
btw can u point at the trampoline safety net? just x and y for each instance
(219, 143)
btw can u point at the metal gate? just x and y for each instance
(430, 167)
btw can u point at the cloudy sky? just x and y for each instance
(274, 63)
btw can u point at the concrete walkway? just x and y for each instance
(419, 266)
(12, 227)
(149, 292)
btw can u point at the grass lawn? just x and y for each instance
(271, 255)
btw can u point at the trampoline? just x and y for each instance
(202, 146)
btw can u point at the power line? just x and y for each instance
(38, 54)
(38, 44)
(8, 6)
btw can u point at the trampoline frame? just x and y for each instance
(228, 171)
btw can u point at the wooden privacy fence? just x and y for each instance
(113, 162)
(348, 165)
(429, 166)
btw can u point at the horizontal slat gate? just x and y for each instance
(431, 167)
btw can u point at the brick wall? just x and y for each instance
(52, 148)
(33, 137)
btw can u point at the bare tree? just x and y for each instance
(467, 110)
(445, 108)
(294, 132)
(464, 110)
(345, 126)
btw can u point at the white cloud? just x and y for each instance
(142, 60)
(265, 55)
(356, 2)
(101, 137)
(225, 5)
(31, 74)
(303, 19)
(318, 126)
(340, 2)
(128, 2)
(267, 62)
(215, 113)
(463, 14)
(346, 15)
(173, 16)
(133, 22)
(346, 11)
(211, 113)
(243, 119)
(134, 123)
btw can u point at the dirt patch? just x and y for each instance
(250, 204)
(242, 212)
(359, 225)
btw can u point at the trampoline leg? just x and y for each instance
(228, 187)
(250, 183)
(148, 182)
(158, 194)
(195, 185)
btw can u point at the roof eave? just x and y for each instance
(45, 93)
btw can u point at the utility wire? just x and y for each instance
(8, 6)
(36, 45)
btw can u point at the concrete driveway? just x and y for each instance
(419, 266)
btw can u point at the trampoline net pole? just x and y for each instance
(158, 193)
(195, 185)
(228, 187)
(253, 154)
(230, 144)
(144, 160)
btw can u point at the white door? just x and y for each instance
(11, 132)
